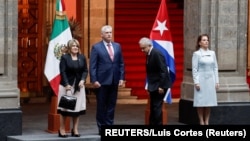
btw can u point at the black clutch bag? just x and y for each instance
(68, 102)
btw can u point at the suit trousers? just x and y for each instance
(106, 97)
(156, 101)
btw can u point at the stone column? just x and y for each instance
(225, 21)
(10, 112)
(96, 13)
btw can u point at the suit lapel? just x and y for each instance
(114, 49)
(150, 56)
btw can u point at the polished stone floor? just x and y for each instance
(35, 117)
(35, 121)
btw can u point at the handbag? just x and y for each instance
(68, 102)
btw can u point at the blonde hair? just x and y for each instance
(70, 44)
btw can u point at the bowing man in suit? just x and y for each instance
(106, 74)
(158, 78)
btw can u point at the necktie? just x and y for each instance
(111, 54)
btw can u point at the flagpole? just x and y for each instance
(164, 113)
(60, 35)
(54, 118)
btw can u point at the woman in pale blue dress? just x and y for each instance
(206, 79)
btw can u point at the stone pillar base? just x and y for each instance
(10, 123)
(230, 113)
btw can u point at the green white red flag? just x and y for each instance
(60, 35)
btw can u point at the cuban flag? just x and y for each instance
(162, 40)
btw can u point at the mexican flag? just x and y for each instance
(60, 35)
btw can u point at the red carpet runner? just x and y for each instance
(133, 20)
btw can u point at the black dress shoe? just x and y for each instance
(73, 134)
(60, 135)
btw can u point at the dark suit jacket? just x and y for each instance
(102, 68)
(69, 73)
(157, 71)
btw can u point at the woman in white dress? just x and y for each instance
(205, 77)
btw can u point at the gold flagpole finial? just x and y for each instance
(60, 15)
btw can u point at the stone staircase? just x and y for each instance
(125, 97)
(133, 20)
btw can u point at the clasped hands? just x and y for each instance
(81, 84)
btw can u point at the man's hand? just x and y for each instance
(97, 84)
(120, 83)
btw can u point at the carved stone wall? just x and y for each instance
(226, 23)
(10, 113)
(9, 92)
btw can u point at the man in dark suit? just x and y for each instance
(158, 79)
(106, 74)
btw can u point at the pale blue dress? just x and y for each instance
(205, 73)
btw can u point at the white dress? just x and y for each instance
(205, 73)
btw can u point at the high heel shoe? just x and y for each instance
(61, 135)
(73, 134)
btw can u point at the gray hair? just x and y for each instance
(145, 41)
(106, 28)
